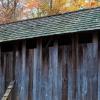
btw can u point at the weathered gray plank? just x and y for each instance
(47, 74)
(50, 76)
(10, 69)
(17, 73)
(78, 70)
(70, 73)
(1, 94)
(37, 88)
(45, 70)
(24, 75)
(43, 75)
(90, 71)
(95, 68)
(38, 70)
(62, 73)
(21, 75)
(72, 70)
(35, 75)
(54, 64)
(99, 71)
(83, 73)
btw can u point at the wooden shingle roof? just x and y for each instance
(83, 20)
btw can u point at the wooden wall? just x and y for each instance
(52, 72)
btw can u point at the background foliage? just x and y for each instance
(14, 10)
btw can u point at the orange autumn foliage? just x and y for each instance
(32, 4)
(39, 8)
(60, 6)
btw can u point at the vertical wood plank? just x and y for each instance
(54, 63)
(73, 70)
(53, 72)
(45, 70)
(1, 77)
(8, 75)
(70, 72)
(50, 75)
(37, 71)
(21, 75)
(10, 69)
(43, 76)
(35, 75)
(39, 68)
(74, 67)
(17, 72)
(99, 71)
(83, 74)
(92, 52)
(95, 67)
(1, 94)
(24, 77)
(4, 69)
(14, 61)
(30, 66)
(90, 71)
(63, 73)
(78, 70)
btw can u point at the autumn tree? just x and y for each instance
(51, 7)
(13, 10)
(7, 10)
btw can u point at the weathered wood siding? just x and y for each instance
(56, 72)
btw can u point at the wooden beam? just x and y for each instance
(8, 91)
(39, 69)
(24, 74)
(74, 66)
(96, 69)
(23, 55)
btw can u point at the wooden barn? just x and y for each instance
(52, 58)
